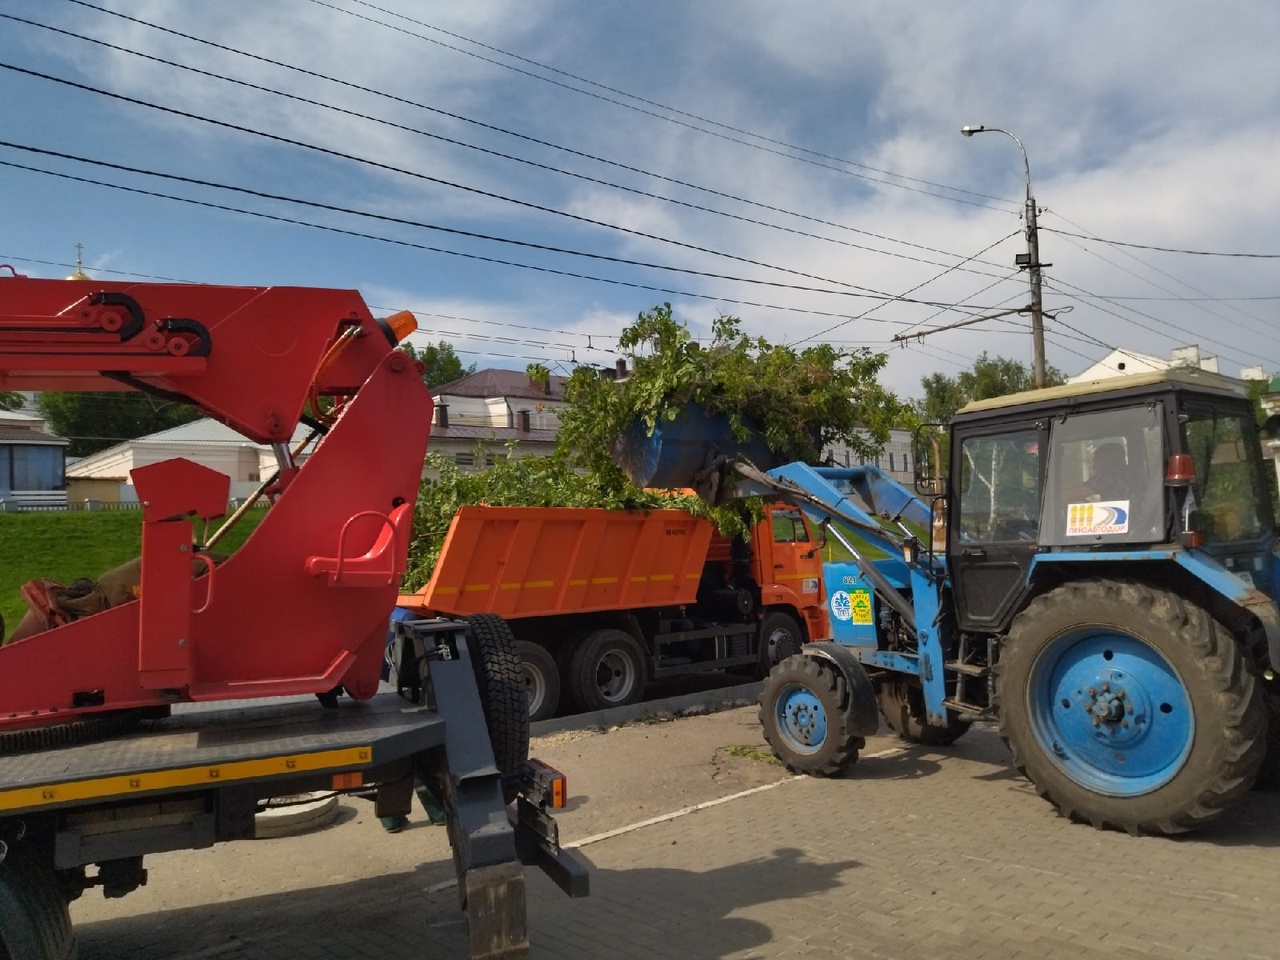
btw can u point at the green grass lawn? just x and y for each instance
(62, 546)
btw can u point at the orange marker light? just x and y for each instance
(402, 324)
(347, 781)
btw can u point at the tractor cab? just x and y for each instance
(1130, 465)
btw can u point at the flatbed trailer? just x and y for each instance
(199, 777)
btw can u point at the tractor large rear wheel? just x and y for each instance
(1129, 707)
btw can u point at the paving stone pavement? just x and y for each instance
(915, 853)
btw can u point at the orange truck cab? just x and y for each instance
(603, 601)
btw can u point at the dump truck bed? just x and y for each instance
(540, 561)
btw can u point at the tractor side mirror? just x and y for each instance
(926, 455)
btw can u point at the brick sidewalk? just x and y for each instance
(915, 854)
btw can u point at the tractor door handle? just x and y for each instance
(974, 552)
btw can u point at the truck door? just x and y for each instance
(994, 526)
(790, 561)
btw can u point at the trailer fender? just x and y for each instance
(863, 712)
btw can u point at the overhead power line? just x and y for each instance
(511, 157)
(454, 231)
(457, 253)
(907, 185)
(511, 133)
(1145, 246)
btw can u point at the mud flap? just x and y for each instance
(496, 917)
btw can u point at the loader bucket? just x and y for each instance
(680, 450)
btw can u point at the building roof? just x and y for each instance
(501, 383)
(13, 434)
(1175, 376)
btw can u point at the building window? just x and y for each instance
(464, 459)
(891, 467)
(35, 468)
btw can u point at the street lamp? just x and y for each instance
(1032, 255)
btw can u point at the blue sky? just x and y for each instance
(797, 165)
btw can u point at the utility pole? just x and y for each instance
(1031, 257)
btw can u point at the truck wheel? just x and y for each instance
(902, 705)
(780, 637)
(805, 713)
(606, 669)
(34, 921)
(541, 679)
(502, 694)
(1129, 707)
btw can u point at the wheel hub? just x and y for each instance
(802, 719)
(1112, 712)
(1106, 705)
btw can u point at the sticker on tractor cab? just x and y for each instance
(855, 606)
(1097, 519)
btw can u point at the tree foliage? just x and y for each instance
(10, 400)
(989, 377)
(439, 361)
(799, 399)
(94, 421)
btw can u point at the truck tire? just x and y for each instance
(606, 669)
(541, 679)
(806, 715)
(902, 705)
(1129, 707)
(780, 637)
(34, 921)
(503, 694)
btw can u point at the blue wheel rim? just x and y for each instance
(800, 718)
(1111, 712)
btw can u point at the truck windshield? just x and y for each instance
(1228, 491)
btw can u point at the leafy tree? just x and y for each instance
(95, 421)
(439, 361)
(10, 400)
(797, 400)
(989, 377)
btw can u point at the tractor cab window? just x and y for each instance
(1000, 487)
(1105, 479)
(1228, 490)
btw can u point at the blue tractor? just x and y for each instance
(1096, 571)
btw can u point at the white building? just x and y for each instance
(105, 475)
(1120, 362)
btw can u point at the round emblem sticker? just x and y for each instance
(841, 608)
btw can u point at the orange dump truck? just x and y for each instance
(602, 601)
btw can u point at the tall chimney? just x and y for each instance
(622, 368)
(442, 416)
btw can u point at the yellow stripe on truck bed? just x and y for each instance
(202, 776)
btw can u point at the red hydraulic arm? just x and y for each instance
(302, 606)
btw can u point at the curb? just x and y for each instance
(687, 704)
